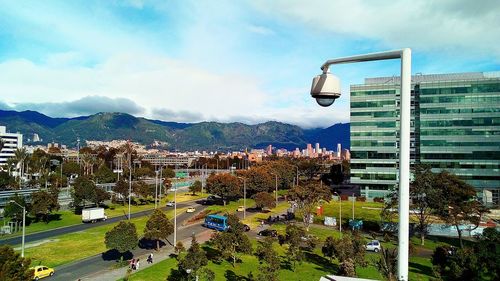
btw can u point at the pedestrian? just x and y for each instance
(262, 223)
(151, 258)
(137, 264)
(132, 264)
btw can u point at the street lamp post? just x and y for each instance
(129, 182)
(326, 88)
(24, 225)
(276, 187)
(156, 189)
(244, 197)
(353, 199)
(340, 212)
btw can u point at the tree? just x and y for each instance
(195, 258)
(71, 168)
(143, 172)
(387, 265)
(158, 227)
(487, 250)
(309, 168)
(307, 198)
(195, 187)
(328, 248)
(224, 185)
(121, 187)
(264, 200)
(458, 204)
(13, 266)
(293, 238)
(85, 191)
(425, 197)
(42, 204)
(179, 248)
(143, 189)
(123, 237)
(350, 250)
(168, 173)
(258, 180)
(284, 170)
(6, 180)
(104, 174)
(457, 264)
(233, 242)
(12, 210)
(269, 260)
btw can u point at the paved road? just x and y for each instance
(79, 227)
(88, 266)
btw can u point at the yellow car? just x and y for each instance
(190, 210)
(42, 272)
(240, 209)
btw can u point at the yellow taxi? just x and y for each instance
(42, 272)
(240, 209)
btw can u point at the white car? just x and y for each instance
(170, 204)
(190, 210)
(374, 246)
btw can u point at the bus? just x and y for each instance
(216, 222)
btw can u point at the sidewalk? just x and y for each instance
(118, 273)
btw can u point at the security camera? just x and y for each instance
(325, 89)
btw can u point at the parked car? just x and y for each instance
(246, 228)
(190, 210)
(374, 246)
(170, 204)
(42, 272)
(268, 232)
(240, 209)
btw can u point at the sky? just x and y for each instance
(227, 61)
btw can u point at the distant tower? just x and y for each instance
(309, 150)
(339, 149)
(36, 137)
(269, 150)
(318, 150)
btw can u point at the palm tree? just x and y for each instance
(20, 156)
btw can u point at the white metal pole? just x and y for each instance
(404, 143)
(129, 182)
(161, 180)
(404, 165)
(156, 189)
(175, 212)
(340, 215)
(244, 198)
(276, 189)
(24, 231)
(353, 207)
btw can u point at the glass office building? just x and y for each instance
(455, 126)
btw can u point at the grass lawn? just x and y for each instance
(255, 218)
(67, 217)
(230, 206)
(312, 268)
(74, 246)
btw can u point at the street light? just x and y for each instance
(340, 213)
(24, 225)
(244, 197)
(156, 189)
(325, 89)
(276, 192)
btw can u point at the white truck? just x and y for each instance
(93, 214)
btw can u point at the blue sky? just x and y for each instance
(230, 61)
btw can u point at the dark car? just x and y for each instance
(246, 228)
(268, 232)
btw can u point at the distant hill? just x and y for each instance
(177, 136)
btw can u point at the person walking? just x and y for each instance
(132, 264)
(137, 265)
(150, 258)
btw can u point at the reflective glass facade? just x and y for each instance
(455, 127)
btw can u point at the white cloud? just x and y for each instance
(468, 28)
(262, 30)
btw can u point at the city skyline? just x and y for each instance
(245, 62)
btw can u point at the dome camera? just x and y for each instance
(325, 89)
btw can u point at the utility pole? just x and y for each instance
(353, 198)
(129, 180)
(156, 189)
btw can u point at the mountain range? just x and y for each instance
(175, 136)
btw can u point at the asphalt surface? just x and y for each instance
(85, 267)
(79, 227)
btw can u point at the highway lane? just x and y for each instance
(79, 269)
(79, 227)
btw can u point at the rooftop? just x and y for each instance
(435, 77)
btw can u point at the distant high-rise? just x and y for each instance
(339, 150)
(309, 150)
(11, 142)
(269, 150)
(318, 150)
(455, 126)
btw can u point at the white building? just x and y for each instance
(11, 142)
